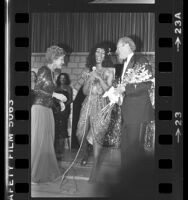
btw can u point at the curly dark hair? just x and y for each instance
(91, 60)
(67, 79)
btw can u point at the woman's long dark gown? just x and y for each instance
(61, 122)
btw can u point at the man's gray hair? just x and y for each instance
(128, 40)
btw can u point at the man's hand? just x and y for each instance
(120, 89)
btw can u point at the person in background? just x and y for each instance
(62, 117)
(96, 83)
(44, 166)
(33, 82)
(56, 74)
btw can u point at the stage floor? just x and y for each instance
(76, 182)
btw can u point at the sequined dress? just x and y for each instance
(112, 137)
(109, 135)
(91, 107)
(44, 166)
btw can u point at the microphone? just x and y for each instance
(85, 75)
(94, 69)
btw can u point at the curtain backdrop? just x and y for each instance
(81, 31)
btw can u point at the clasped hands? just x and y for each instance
(93, 75)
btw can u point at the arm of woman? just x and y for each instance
(87, 84)
(70, 95)
(42, 92)
(86, 87)
(44, 85)
(109, 78)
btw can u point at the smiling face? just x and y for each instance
(99, 55)
(57, 63)
(123, 50)
(62, 79)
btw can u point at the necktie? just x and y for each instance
(124, 68)
(125, 60)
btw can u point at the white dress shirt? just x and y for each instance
(126, 64)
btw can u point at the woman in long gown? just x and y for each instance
(98, 81)
(44, 166)
(112, 137)
(62, 117)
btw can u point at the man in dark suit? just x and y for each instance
(136, 108)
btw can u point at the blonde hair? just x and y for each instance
(53, 52)
(127, 40)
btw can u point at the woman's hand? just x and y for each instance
(96, 75)
(93, 76)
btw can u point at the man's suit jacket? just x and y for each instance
(136, 106)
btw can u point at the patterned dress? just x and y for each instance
(91, 108)
(149, 139)
(44, 166)
(113, 134)
(112, 137)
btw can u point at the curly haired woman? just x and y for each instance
(97, 82)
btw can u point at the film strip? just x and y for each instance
(168, 95)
